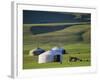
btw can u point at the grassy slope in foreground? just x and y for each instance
(73, 49)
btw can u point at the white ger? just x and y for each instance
(55, 54)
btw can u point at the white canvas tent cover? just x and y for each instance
(31, 52)
(45, 57)
(48, 56)
(56, 51)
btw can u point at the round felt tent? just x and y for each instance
(31, 52)
(45, 57)
(55, 54)
(36, 51)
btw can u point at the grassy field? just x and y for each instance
(79, 50)
(75, 39)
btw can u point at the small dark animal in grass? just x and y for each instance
(86, 60)
(78, 53)
(74, 59)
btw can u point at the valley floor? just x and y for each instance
(79, 50)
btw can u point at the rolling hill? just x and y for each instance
(54, 35)
(75, 39)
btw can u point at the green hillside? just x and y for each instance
(68, 35)
(74, 38)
